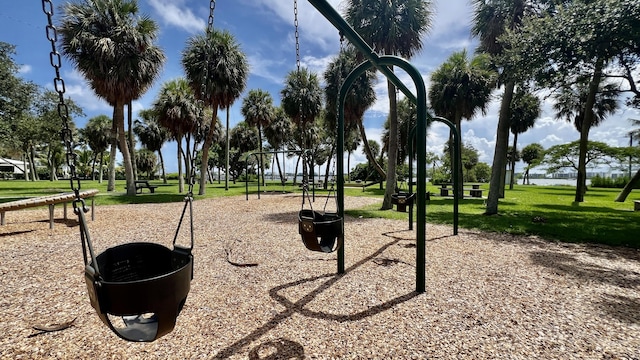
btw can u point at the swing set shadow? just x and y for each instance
(298, 307)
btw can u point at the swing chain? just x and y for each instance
(63, 109)
(297, 34)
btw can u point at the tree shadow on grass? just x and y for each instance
(299, 307)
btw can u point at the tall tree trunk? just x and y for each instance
(180, 170)
(500, 152)
(164, 174)
(111, 182)
(349, 166)
(457, 121)
(93, 166)
(279, 169)
(208, 140)
(513, 161)
(35, 176)
(100, 170)
(628, 187)
(124, 148)
(392, 151)
(295, 174)
(367, 150)
(226, 157)
(261, 155)
(581, 185)
(132, 147)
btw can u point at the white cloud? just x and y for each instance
(24, 69)
(175, 13)
(313, 27)
(78, 90)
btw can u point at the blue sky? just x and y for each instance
(264, 29)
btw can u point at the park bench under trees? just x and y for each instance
(144, 184)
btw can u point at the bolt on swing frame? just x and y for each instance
(381, 63)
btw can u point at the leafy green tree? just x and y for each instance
(243, 140)
(217, 55)
(112, 45)
(525, 109)
(459, 88)
(277, 134)
(360, 97)
(532, 154)
(257, 109)
(15, 95)
(391, 28)
(96, 135)
(482, 172)
(302, 102)
(48, 126)
(492, 18)
(566, 156)
(147, 162)
(152, 136)
(351, 142)
(177, 110)
(603, 43)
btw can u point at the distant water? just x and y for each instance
(548, 182)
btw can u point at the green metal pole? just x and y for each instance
(421, 157)
(456, 167)
(354, 38)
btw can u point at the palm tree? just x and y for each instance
(152, 135)
(459, 88)
(525, 109)
(217, 71)
(361, 96)
(96, 135)
(257, 109)
(277, 134)
(302, 102)
(392, 28)
(112, 46)
(571, 104)
(177, 110)
(492, 18)
(531, 155)
(351, 142)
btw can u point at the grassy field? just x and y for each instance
(546, 211)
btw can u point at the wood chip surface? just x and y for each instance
(488, 296)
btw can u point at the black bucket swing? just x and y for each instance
(139, 288)
(402, 199)
(320, 231)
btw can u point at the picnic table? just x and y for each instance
(474, 190)
(144, 184)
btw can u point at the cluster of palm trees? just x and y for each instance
(113, 47)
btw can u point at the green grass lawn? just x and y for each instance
(597, 220)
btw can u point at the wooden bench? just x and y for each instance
(51, 201)
(636, 205)
(144, 184)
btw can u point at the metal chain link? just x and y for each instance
(203, 94)
(295, 24)
(63, 110)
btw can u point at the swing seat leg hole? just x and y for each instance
(143, 327)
